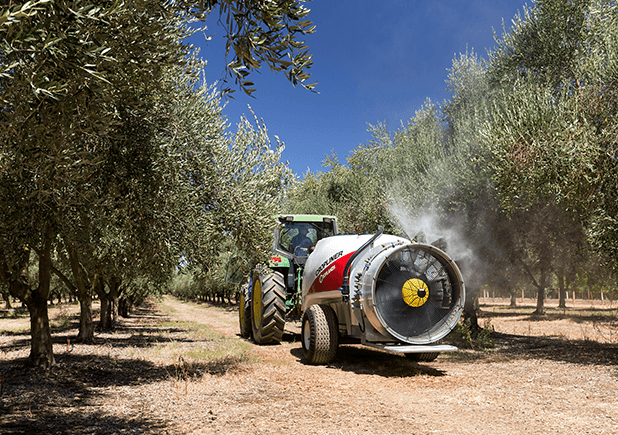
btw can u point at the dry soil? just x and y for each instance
(180, 368)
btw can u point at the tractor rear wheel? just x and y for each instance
(268, 308)
(423, 357)
(320, 334)
(244, 312)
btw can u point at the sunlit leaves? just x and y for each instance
(265, 32)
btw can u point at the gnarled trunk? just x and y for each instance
(83, 290)
(472, 307)
(16, 278)
(7, 300)
(125, 306)
(109, 302)
(541, 288)
(83, 293)
(115, 291)
(105, 322)
(41, 351)
(541, 284)
(86, 325)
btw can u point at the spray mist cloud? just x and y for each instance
(427, 227)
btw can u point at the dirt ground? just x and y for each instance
(180, 368)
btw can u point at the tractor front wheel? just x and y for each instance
(244, 312)
(320, 334)
(268, 308)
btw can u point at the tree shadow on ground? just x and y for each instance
(17, 343)
(586, 352)
(364, 360)
(14, 313)
(600, 315)
(524, 347)
(84, 375)
(54, 421)
(71, 397)
(140, 337)
(122, 336)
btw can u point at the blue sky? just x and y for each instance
(374, 62)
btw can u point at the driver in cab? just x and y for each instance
(302, 240)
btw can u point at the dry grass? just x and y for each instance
(179, 368)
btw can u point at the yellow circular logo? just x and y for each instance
(415, 292)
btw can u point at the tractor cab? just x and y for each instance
(296, 236)
(294, 240)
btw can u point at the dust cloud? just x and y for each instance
(429, 228)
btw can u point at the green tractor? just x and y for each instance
(273, 293)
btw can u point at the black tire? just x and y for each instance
(320, 334)
(423, 357)
(244, 312)
(268, 308)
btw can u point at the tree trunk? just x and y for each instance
(541, 284)
(16, 278)
(109, 303)
(105, 322)
(540, 300)
(563, 290)
(86, 325)
(83, 292)
(513, 298)
(115, 291)
(7, 301)
(125, 306)
(41, 351)
(114, 310)
(471, 308)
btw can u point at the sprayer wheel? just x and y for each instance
(244, 312)
(320, 335)
(423, 357)
(268, 308)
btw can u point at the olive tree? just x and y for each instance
(74, 99)
(354, 191)
(551, 138)
(64, 65)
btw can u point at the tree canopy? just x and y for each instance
(113, 156)
(517, 168)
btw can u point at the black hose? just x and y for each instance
(345, 286)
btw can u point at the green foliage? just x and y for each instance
(265, 32)
(544, 45)
(114, 159)
(517, 168)
(553, 137)
(465, 337)
(353, 192)
(416, 168)
(251, 184)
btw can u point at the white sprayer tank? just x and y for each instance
(399, 291)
